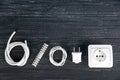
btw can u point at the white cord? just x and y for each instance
(10, 46)
(64, 57)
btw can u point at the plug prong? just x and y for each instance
(79, 49)
(73, 49)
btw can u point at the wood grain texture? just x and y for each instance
(60, 22)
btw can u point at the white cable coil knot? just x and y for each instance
(10, 46)
(64, 57)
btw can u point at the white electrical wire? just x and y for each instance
(10, 46)
(64, 57)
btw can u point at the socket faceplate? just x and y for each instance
(100, 56)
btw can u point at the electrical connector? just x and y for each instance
(100, 56)
(76, 56)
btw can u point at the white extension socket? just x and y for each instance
(100, 56)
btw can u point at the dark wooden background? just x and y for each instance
(59, 22)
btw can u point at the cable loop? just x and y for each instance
(64, 57)
(10, 46)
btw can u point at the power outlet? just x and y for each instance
(100, 56)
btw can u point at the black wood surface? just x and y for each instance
(66, 23)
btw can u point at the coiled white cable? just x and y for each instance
(40, 54)
(10, 46)
(64, 57)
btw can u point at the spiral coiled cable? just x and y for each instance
(39, 55)
(64, 57)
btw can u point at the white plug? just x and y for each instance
(100, 56)
(76, 56)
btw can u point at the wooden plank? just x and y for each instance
(60, 22)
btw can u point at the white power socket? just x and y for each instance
(100, 56)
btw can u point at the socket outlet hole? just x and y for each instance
(100, 55)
